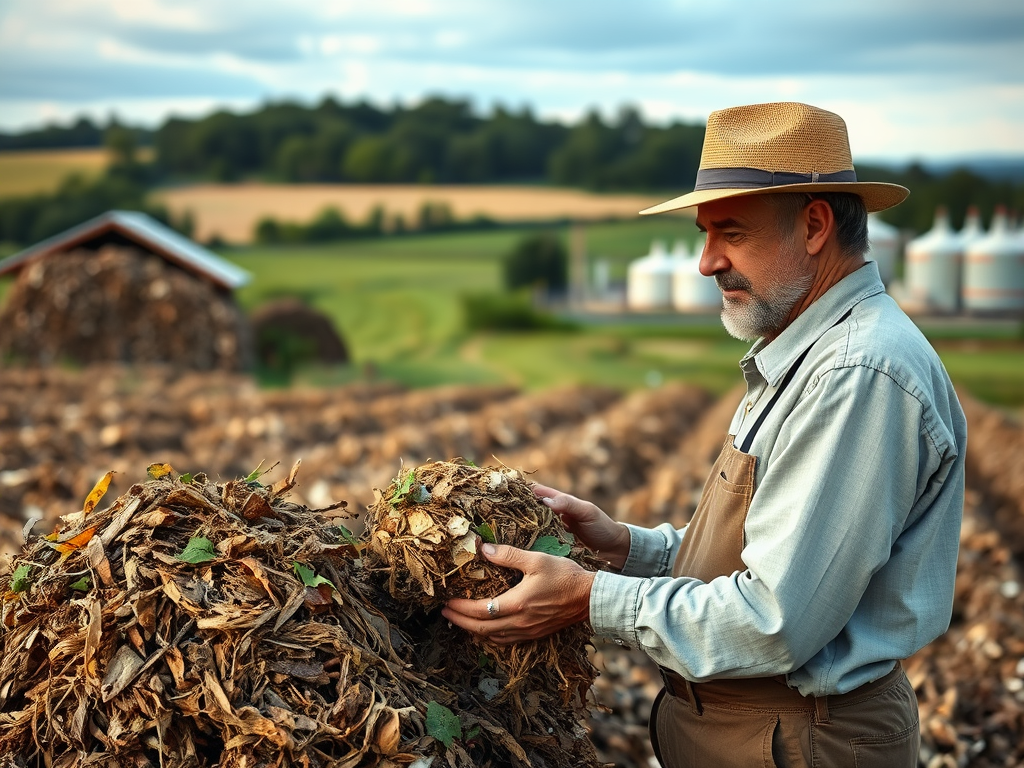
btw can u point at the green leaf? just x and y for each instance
(309, 576)
(442, 723)
(551, 546)
(186, 478)
(483, 660)
(82, 585)
(253, 476)
(198, 550)
(404, 486)
(486, 533)
(19, 579)
(347, 536)
(473, 732)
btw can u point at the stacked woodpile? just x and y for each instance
(643, 456)
(120, 304)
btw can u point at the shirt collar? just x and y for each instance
(775, 358)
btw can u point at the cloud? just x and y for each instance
(676, 58)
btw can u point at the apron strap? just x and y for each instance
(749, 439)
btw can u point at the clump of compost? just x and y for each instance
(193, 623)
(424, 531)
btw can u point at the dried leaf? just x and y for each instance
(75, 543)
(458, 526)
(419, 522)
(282, 486)
(156, 471)
(97, 492)
(464, 550)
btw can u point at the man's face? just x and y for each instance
(761, 268)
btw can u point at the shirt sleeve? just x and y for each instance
(839, 483)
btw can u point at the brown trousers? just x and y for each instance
(762, 721)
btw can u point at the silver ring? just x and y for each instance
(492, 609)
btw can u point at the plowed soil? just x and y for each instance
(642, 456)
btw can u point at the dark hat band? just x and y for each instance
(755, 178)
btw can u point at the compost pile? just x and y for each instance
(194, 623)
(423, 533)
(120, 304)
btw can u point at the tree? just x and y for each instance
(539, 260)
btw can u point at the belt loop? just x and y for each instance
(691, 694)
(821, 710)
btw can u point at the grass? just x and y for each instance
(397, 304)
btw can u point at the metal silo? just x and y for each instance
(692, 291)
(994, 269)
(649, 279)
(933, 268)
(883, 245)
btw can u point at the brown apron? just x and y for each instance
(762, 721)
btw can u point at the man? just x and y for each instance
(824, 546)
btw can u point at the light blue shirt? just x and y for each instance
(851, 539)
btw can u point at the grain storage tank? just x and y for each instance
(692, 291)
(994, 269)
(933, 268)
(973, 230)
(883, 245)
(649, 279)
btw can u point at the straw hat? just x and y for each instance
(784, 147)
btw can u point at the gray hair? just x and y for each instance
(849, 210)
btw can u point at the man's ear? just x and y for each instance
(819, 223)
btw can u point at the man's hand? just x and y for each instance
(554, 593)
(589, 524)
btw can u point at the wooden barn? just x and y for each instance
(122, 287)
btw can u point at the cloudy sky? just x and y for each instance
(913, 78)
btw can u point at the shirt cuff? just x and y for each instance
(651, 550)
(614, 600)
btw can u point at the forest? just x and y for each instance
(436, 141)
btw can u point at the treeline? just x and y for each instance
(437, 141)
(83, 132)
(440, 141)
(125, 185)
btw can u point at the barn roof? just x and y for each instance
(142, 230)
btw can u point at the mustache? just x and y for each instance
(732, 281)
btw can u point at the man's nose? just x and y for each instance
(712, 261)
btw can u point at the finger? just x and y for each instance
(510, 557)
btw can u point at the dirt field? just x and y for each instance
(642, 456)
(232, 210)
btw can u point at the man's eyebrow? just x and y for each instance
(721, 224)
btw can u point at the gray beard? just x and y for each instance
(762, 315)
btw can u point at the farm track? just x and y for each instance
(642, 456)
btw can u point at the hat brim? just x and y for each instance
(877, 195)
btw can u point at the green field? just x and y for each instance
(397, 304)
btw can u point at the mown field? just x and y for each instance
(26, 172)
(397, 303)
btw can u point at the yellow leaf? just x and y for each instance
(75, 543)
(156, 471)
(97, 493)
